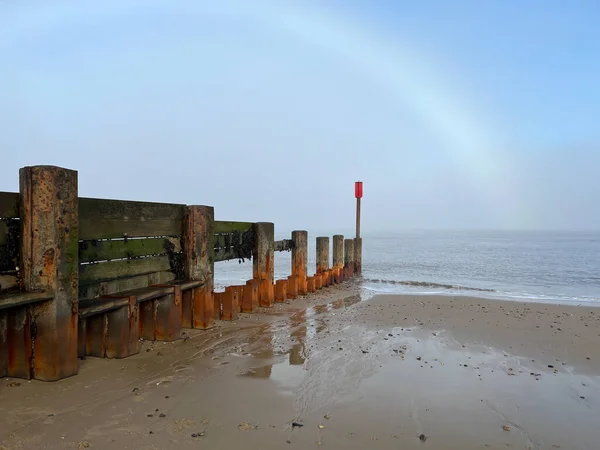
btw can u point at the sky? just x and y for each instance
(455, 115)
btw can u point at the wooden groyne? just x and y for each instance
(83, 276)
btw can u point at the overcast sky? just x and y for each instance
(463, 114)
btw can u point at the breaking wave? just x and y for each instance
(427, 284)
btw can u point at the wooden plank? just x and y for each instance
(106, 271)
(90, 251)
(105, 219)
(125, 284)
(9, 204)
(89, 308)
(225, 256)
(284, 245)
(230, 227)
(23, 298)
(8, 281)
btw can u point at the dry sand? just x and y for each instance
(409, 372)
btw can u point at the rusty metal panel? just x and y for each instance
(250, 300)
(187, 318)
(292, 287)
(19, 340)
(123, 331)
(168, 316)
(281, 292)
(310, 284)
(95, 338)
(3, 344)
(229, 301)
(106, 219)
(81, 337)
(147, 319)
(203, 307)
(217, 305)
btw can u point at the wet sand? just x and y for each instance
(386, 372)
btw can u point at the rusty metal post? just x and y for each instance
(322, 255)
(318, 281)
(3, 344)
(263, 267)
(198, 263)
(50, 262)
(357, 256)
(349, 257)
(300, 259)
(338, 256)
(217, 303)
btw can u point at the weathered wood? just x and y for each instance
(357, 256)
(322, 254)
(10, 241)
(9, 204)
(349, 257)
(283, 245)
(225, 256)
(230, 227)
(13, 300)
(90, 251)
(8, 281)
(104, 219)
(18, 337)
(3, 234)
(125, 284)
(263, 267)
(49, 262)
(91, 307)
(338, 251)
(106, 271)
(300, 259)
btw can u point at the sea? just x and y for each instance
(549, 267)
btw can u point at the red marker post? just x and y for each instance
(358, 193)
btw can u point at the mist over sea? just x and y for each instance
(539, 266)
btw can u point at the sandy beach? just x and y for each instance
(335, 370)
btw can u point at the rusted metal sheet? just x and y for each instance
(147, 319)
(281, 292)
(187, 300)
(95, 339)
(19, 342)
(217, 305)
(229, 302)
(3, 344)
(109, 271)
(9, 204)
(250, 301)
(292, 287)
(318, 281)
(322, 254)
(168, 316)
(122, 331)
(266, 293)
(203, 307)
(49, 262)
(91, 251)
(310, 284)
(106, 219)
(81, 337)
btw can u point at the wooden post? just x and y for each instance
(357, 256)
(198, 263)
(338, 257)
(263, 267)
(50, 262)
(300, 259)
(322, 255)
(349, 257)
